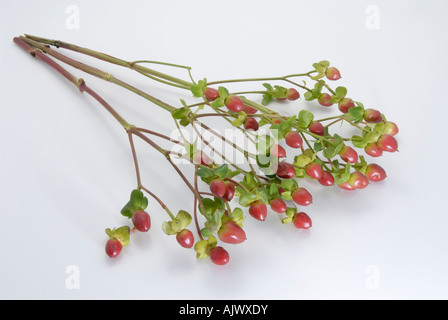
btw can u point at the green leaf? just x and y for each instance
(289, 184)
(137, 202)
(247, 198)
(302, 160)
(359, 142)
(203, 247)
(196, 89)
(221, 171)
(239, 121)
(290, 212)
(237, 216)
(218, 103)
(305, 119)
(223, 92)
(204, 173)
(264, 144)
(341, 92)
(121, 234)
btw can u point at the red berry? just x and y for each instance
(185, 238)
(258, 210)
(375, 173)
(285, 170)
(348, 154)
(314, 170)
(218, 188)
(219, 256)
(249, 110)
(292, 94)
(302, 221)
(346, 186)
(234, 103)
(141, 221)
(373, 150)
(294, 140)
(277, 151)
(251, 124)
(202, 158)
(391, 128)
(317, 128)
(332, 74)
(278, 205)
(346, 104)
(357, 180)
(211, 94)
(276, 120)
(230, 191)
(113, 248)
(327, 179)
(232, 233)
(387, 143)
(372, 116)
(302, 197)
(324, 100)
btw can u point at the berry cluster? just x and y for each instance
(269, 178)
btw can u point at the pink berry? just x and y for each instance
(327, 179)
(317, 128)
(251, 124)
(294, 139)
(234, 103)
(285, 170)
(141, 221)
(357, 180)
(292, 94)
(258, 210)
(314, 170)
(375, 173)
(302, 221)
(348, 154)
(387, 143)
(346, 186)
(113, 248)
(249, 110)
(302, 197)
(201, 158)
(391, 128)
(232, 233)
(373, 150)
(218, 188)
(278, 205)
(333, 73)
(346, 104)
(211, 94)
(372, 116)
(324, 100)
(185, 238)
(230, 191)
(219, 256)
(277, 151)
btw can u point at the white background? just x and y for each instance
(66, 168)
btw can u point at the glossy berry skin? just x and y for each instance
(185, 238)
(357, 180)
(278, 205)
(234, 103)
(317, 128)
(324, 100)
(373, 150)
(348, 154)
(292, 94)
(277, 151)
(375, 172)
(387, 143)
(346, 186)
(314, 170)
(391, 128)
(285, 170)
(249, 110)
(302, 197)
(251, 124)
(218, 188)
(302, 221)
(294, 139)
(141, 221)
(211, 94)
(113, 248)
(345, 104)
(333, 74)
(201, 158)
(258, 210)
(232, 233)
(327, 179)
(230, 191)
(219, 256)
(372, 116)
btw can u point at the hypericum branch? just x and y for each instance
(319, 152)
